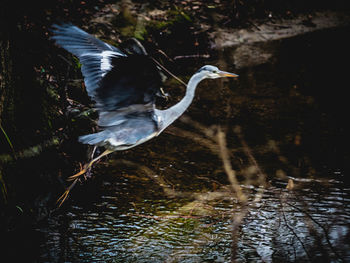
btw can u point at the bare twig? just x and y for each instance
(207, 131)
(282, 200)
(242, 198)
(322, 227)
(231, 174)
(167, 71)
(248, 152)
(195, 137)
(192, 56)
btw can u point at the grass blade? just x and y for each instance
(7, 139)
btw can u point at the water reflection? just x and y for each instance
(301, 224)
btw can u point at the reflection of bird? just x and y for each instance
(124, 87)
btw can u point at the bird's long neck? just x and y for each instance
(168, 116)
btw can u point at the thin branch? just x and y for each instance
(192, 56)
(248, 152)
(293, 232)
(321, 226)
(195, 137)
(231, 174)
(167, 71)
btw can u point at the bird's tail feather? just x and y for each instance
(94, 139)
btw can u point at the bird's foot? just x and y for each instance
(64, 196)
(75, 179)
(86, 170)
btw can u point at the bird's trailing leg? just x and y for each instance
(162, 94)
(88, 172)
(88, 165)
(75, 177)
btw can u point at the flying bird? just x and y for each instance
(124, 86)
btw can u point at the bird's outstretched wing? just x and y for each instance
(94, 55)
(121, 84)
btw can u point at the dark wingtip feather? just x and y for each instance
(57, 29)
(64, 33)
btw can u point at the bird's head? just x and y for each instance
(213, 72)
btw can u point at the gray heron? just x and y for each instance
(124, 86)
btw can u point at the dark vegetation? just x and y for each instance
(42, 112)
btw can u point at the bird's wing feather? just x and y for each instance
(123, 86)
(94, 55)
(115, 81)
(117, 117)
(131, 132)
(133, 80)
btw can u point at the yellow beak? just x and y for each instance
(227, 74)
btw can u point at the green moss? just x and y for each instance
(140, 28)
(140, 32)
